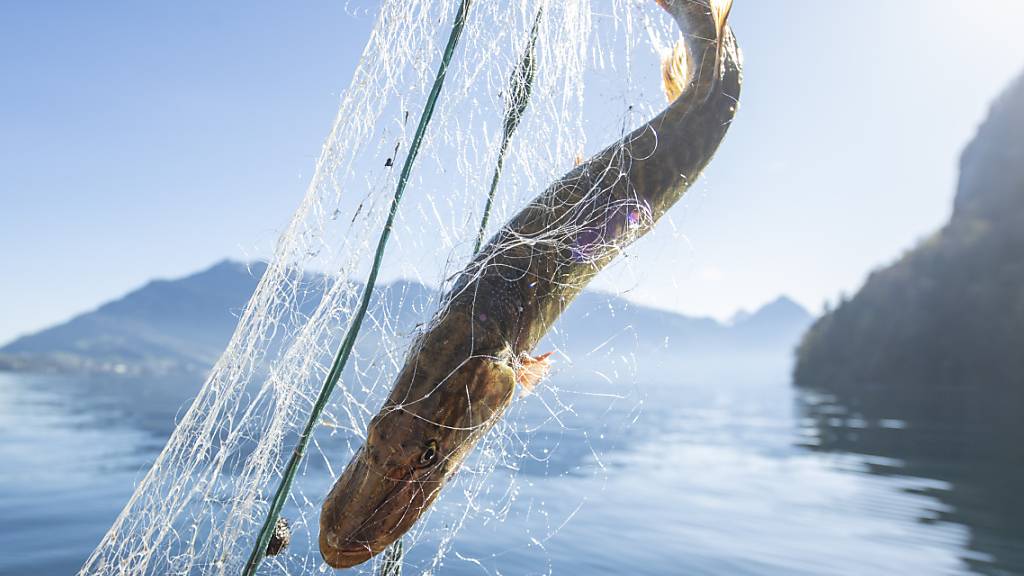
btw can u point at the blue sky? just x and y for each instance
(127, 127)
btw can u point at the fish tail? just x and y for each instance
(720, 10)
(674, 74)
(678, 66)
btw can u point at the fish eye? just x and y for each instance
(429, 455)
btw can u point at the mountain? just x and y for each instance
(165, 325)
(924, 368)
(183, 325)
(936, 339)
(781, 320)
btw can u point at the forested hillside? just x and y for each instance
(938, 336)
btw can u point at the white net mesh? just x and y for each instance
(200, 506)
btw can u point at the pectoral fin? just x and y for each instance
(531, 370)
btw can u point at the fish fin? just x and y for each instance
(531, 370)
(720, 10)
(673, 72)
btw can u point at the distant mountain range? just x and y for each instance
(183, 325)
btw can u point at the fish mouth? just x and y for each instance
(344, 558)
(367, 510)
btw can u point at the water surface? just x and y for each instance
(725, 470)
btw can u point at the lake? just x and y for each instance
(720, 470)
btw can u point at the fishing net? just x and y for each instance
(198, 510)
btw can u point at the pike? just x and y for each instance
(463, 371)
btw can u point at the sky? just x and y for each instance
(143, 140)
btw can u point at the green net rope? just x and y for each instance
(283, 489)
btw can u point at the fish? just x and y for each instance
(464, 368)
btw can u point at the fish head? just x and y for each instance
(442, 404)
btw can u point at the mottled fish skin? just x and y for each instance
(459, 376)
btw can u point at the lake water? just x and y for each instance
(715, 471)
